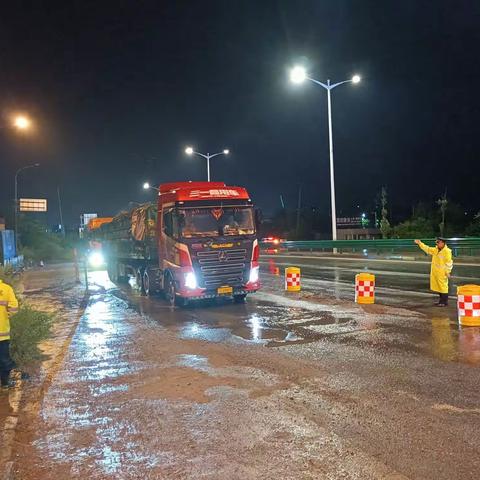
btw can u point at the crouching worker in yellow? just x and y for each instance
(442, 265)
(8, 305)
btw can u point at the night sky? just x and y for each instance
(118, 89)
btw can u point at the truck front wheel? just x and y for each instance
(171, 292)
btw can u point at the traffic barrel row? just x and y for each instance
(468, 296)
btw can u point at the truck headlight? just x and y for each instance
(191, 280)
(254, 274)
(95, 259)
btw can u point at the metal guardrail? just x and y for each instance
(466, 246)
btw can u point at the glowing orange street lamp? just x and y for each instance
(22, 122)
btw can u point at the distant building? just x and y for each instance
(358, 233)
(356, 228)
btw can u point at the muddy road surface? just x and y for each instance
(282, 387)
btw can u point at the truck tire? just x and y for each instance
(146, 286)
(150, 281)
(139, 276)
(170, 292)
(112, 272)
(113, 275)
(121, 278)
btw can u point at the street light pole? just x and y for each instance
(299, 75)
(332, 173)
(206, 156)
(16, 202)
(208, 166)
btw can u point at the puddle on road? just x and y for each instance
(453, 343)
(291, 321)
(266, 325)
(197, 362)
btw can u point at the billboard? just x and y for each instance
(349, 221)
(33, 204)
(85, 219)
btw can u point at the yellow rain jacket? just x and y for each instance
(8, 304)
(442, 265)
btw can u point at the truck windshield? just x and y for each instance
(207, 222)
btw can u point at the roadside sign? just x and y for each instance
(349, 221)
(85, 219)
(33, 204)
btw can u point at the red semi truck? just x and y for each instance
(197, 241)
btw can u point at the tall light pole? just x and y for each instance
(299, 75)
(16, 201)
(207, 156)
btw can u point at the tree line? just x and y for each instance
(443, 217)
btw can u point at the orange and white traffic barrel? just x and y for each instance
(292, 279)
(468, 304)
(365, 288)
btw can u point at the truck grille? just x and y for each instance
(223, 267)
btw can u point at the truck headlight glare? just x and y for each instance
(96, 259)
(191, 280)
(254, 274)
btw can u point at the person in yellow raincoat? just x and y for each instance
(442, 265)
(8, 305)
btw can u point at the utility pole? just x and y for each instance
(299, 207)
(16, 201)
(442, 203)
(62, 226)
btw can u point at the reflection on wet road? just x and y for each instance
(147, 391)
(274, 319)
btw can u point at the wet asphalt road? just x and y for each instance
(284, 386)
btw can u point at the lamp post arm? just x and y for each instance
(327, 86)
(206, 157)
(216, 154)
(324, 85)
(340, 83)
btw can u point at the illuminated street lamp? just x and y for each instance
(16, 201)
(147, 186)
(22, 122)
(299, 75)
(207, 156)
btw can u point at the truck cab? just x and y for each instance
(207, 244)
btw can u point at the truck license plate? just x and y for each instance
(225, 290)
